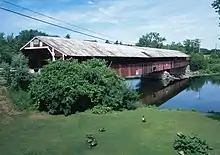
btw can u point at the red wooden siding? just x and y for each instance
(57, 54)
(148, 67)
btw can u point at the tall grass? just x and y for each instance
(20, 99)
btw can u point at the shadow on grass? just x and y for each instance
(214, 116)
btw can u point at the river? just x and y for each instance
(199, 94)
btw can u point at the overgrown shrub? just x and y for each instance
(64, 87)
(191, 145)
(16, 74)
(214, 68)
(99, 109)
(17, 79)
(198, 62)
(21, 99)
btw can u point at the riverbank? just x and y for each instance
(42, 134)
(195, 74)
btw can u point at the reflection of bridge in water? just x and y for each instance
(157, 92)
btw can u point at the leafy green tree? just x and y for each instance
(121, 43)
(6, 48)
(68, 36)
(216, 6)
(215, 68)
(10, 45)
(107, 42)
(175, 46)
(117, 42)
(205, 51)
(17, 73)
(198, 62)
(188, 45)
(151, 39)
(192, 46)
(26, 35)
(64, 87)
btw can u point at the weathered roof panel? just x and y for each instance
(72, 47)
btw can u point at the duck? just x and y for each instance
(143, 119)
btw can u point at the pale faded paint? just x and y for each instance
(70, 47)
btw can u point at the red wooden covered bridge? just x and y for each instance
(128, 61)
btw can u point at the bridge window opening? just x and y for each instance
(36, 42)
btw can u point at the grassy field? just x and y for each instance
(125, 135)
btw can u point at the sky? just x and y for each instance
(124, 20)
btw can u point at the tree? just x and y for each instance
(175, 46)
(5, 49)
(151, 39)
(198, 62)
(68, 36)
(26, 35)
(10, 45)
(107, 42)
(117, 42)
(216, 6)
(17, 73)
(121, 43)
(192, 46)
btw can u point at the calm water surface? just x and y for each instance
(200, 94)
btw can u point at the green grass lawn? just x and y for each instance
(125, 135)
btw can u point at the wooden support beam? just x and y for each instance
(53, 55)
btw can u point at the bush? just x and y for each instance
(198, 62)
(101, 110)
(21, 99)
(64, 87)
(129, 97)
(215, 68)
(191, 145)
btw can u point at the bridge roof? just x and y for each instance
(70, 47)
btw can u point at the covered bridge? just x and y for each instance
(128, 61)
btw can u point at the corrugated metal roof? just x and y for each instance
(72, 47)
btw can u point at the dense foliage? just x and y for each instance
(151, 39)
(100, 110)
(198, 62)
(216, 6)
(64, 87)
(14, 66)
(191, 145)
(17, 73)
(10, 45)
(17, 79)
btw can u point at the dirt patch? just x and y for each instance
(39, 116)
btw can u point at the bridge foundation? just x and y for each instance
(180, 72)
(162, 75)
(172, 74)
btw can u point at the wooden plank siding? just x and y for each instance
(127, 70)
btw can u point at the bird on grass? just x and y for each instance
(143, 119)
(102, 129)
